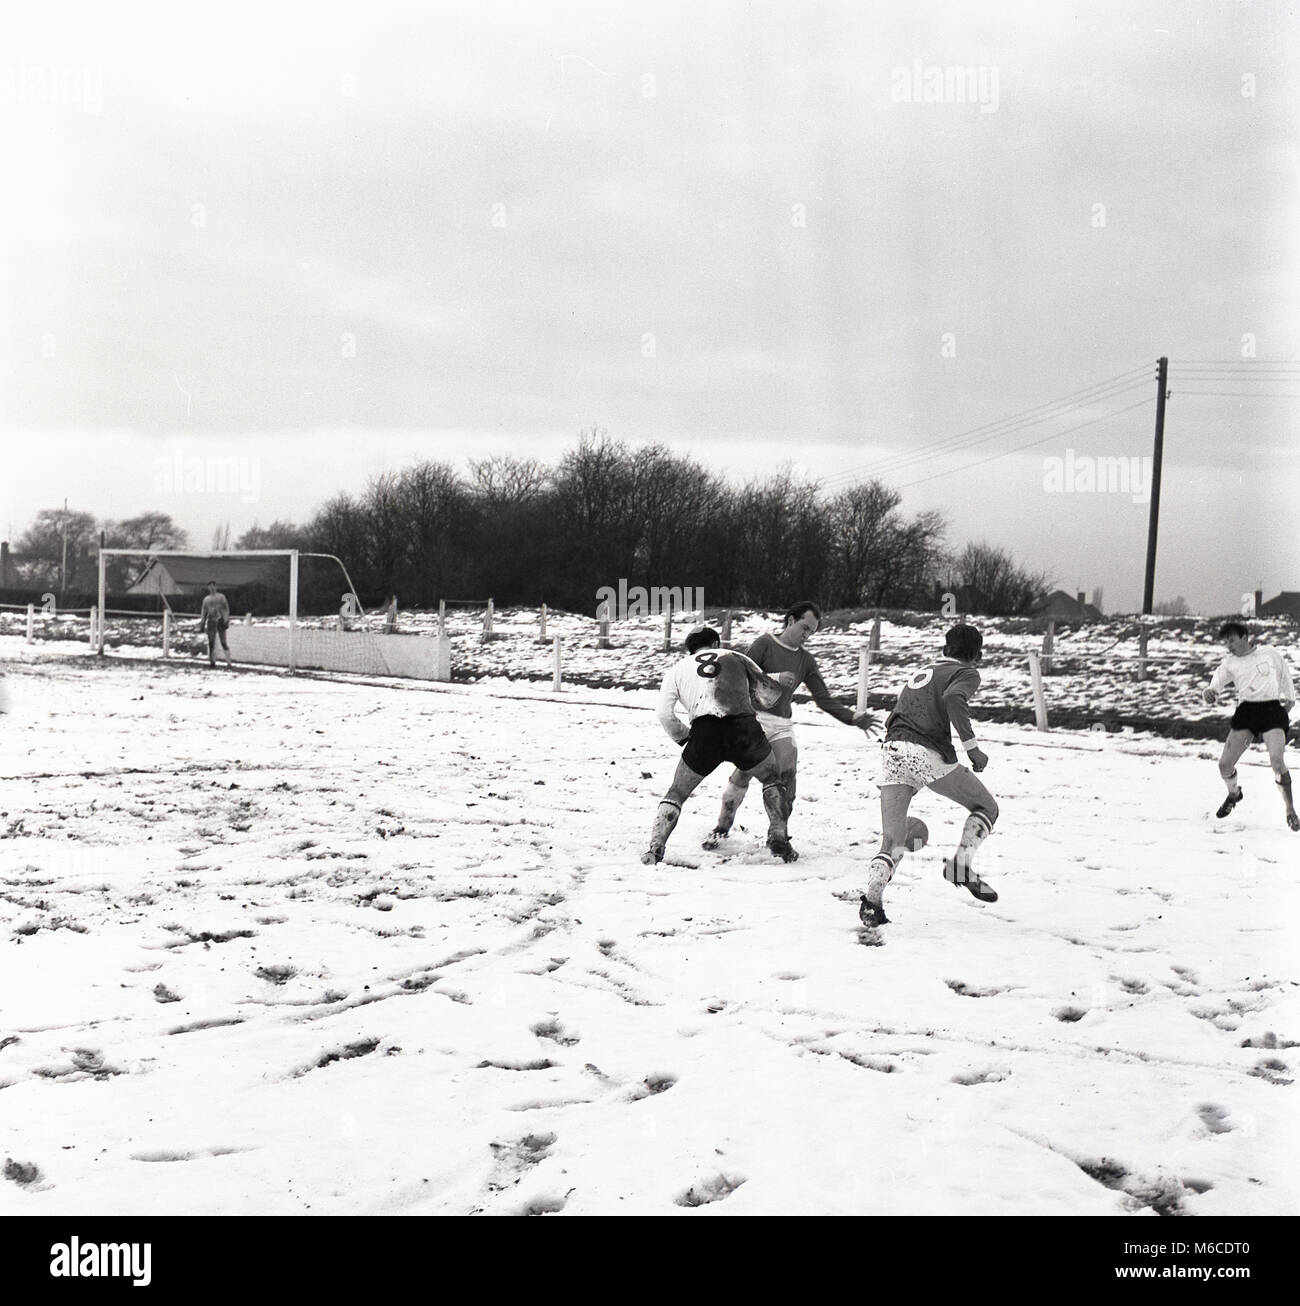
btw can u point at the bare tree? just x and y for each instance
(991, 583)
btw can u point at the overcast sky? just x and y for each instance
(328, 239)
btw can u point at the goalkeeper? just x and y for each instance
(214, 617)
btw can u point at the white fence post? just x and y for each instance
(442, 617)
(487, 622)
(543, 634)
(668, 627)
(875, 636)
(94, 613)
(1142, 654)
(602, 625)
(555, 681)
(864, 665)
(726, 628)
(31, 622)
(167, 632)
(1036, 679)
(1047, 645)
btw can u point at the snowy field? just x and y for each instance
(279, 945)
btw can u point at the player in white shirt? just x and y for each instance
(1265, 695)
(718, 688)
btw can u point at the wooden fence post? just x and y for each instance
(864, 666)
(556, 681)
(668, 627)
(1142, 654)
(1040, 702)
(31, 622)
(1047, 646)
(167, 632)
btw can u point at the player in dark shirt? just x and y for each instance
(918, 753)
(785, 655)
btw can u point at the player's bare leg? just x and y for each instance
(894, 802)
(683, 786)
(225, 645)
(965, 787)
(1275, 742)
(1237, 743)
(778, 838)
(212, 645)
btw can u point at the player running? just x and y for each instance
(918, 754)
(714, 685)
(1265, 695)
(214, 617)
(777, 654)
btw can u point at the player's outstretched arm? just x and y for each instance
(822, 697)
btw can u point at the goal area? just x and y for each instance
(350, 640)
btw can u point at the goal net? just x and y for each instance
(267, 627)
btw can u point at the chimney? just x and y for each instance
(4, 564)
(1081, 598)
(1259, 601)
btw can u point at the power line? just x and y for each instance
(1142, 403)
(1094, 393)
(1237, 394)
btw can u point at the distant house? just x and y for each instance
(1287, 604)
(1060, 606)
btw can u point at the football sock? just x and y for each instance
(1284, 784)
(1231, 782)
(774, 801)
(665, 822)
(978, 827)
(880, 872)
(732, 797)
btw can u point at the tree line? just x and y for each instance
(522, 532)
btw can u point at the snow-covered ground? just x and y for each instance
(281, 945)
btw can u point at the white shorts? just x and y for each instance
(776, 727)
(903, 762)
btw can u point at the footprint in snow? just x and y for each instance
(710, 1190)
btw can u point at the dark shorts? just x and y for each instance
(1260, 717)
(716, 739)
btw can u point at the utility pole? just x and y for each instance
(63, 570)
(1162, 379)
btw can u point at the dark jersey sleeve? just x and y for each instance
(956, 698)
(822, 696)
